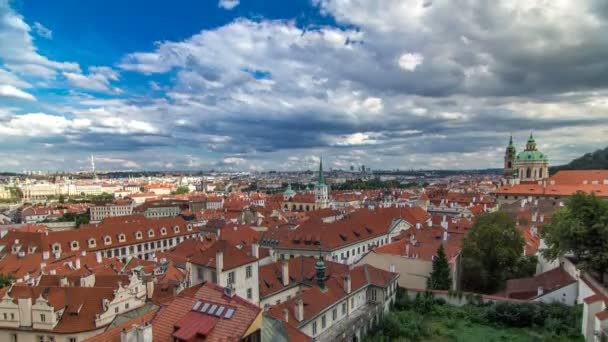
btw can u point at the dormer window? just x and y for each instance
(176, 229)
(121, 238)
(92, 242)
(56, 247)
(189, 227)
(163, 231)
(151, 233)
(138, 235)
(74, 245)
(107, 240)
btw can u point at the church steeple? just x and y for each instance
(509, 159)
(321, 179)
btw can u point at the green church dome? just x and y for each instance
(531, 156)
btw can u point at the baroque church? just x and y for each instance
(319, 199)
(529, 165)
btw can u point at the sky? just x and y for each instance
(274, 85)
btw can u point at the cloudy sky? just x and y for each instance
(262, 85)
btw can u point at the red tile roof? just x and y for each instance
(223, 330)
(317, 300)
(527, 288)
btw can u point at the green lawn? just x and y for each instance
(428, 319)
(465, 331)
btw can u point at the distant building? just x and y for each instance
(112, 209)
(530, 165)
(319, 199)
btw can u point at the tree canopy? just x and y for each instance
(580, 228)
(440, 278)
(181, 190)
(492, 252)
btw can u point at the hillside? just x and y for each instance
(590, 161)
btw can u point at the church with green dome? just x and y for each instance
(529, 165)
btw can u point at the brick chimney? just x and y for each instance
(286, 315)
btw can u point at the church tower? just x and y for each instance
(510, 155)
(321, 189)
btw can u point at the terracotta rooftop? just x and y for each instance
(179, 316)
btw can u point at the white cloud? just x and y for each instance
(98, 79)
(11, 91)
(40, 124)
(410, 61)
(43, 31)
(18, 51)
(228, 4)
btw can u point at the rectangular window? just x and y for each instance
(40, 338)
(334, 314)
(72, 339)
(14, 337)
(352, 302)
(42, 318)
(213, 277)
(126, 306)
(323, 322)
(199, 271)
(116, 309)
(5, 316)
(231, 278)
(343, 308)
(50, 339)
(249, 293)
(248, 272)
(314, 328)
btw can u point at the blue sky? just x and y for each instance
(261, 85)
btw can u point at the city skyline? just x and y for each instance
(258, 86)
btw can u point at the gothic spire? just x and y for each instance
(321, 179)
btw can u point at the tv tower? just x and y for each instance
(93, 166)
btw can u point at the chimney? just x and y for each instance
(285, 315)
(445, 235)
(53, 272)
(77, 263)
(219, 263)
(46, 255)
(539, 291)
(255, 249)
(285, 272)
(98, 257)
(63, 281)
(83, 253)
(299, 310)
(347, 284)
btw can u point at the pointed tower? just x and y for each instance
(531, 144)
(321, 189)
(510, 155)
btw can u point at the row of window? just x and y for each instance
(121, 238)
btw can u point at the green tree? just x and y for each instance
(580, 228)
(440, 278)
(491, 252)
(181, 190)
(6, 280)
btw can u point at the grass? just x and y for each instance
(461, 330)
(430, 320)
